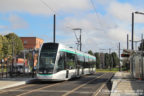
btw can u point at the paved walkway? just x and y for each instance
(124, 85)
(12, 82)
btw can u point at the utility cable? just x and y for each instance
(92, 3)
(48, 6)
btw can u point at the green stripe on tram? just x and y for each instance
(64, 50)
(67, 51)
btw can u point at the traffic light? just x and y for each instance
(125, 55)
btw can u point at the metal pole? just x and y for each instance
(127, 41)
(24, 62)
(110, 57)
(80, 41)
(142, 54)
(132, 31)
(119, 58)
(54, 28)
(12, 70)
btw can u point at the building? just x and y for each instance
(31, 46)
(31, 43)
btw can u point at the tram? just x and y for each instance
(57, 62)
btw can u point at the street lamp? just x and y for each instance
(136, 12)
(139, 13)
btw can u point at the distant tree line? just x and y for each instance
(105, 60)
(141, 47)
(10, 44)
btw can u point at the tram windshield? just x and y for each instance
(47, 58)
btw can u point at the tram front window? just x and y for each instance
(47, 60)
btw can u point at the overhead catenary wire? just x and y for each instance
(92, 3)
(51, 9)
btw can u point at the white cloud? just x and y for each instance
(17, 22)
(3, 27)
(123, 11)
(97, 30)
(37, 7)
(4, 32)
(104, 2)
(118, 34)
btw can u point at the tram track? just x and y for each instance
(19, 87)
(100, 88)
(40, 89)
(66, 88)
(66, 94)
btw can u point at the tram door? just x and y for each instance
(78, 70)
(79, 65)
(70, 63)
(67, 73)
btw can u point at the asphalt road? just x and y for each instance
(90, 85)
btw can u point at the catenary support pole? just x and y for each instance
(127, 41)
(119, 58)
(142, 56)
(54, 29)
(132, 31)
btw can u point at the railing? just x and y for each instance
(7, 71)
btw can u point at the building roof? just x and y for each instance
(31, 37)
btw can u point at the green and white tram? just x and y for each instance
(57, 62)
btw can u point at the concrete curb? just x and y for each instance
(115, 81)
(17, 84)
(114, 86)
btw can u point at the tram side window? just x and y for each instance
(70, 60)
(86, 65)
(91, 63)
(61, 61)
(80, 60)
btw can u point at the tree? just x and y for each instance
(106, 60)
(97, 60)
(141, 47)
(115, 59)
(15, 42)
(90, 52)
(1, 46)
(110, 61)
(6, 47)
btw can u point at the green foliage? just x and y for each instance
(141, 47)
(107, 63)
(110, 61)
(15, 42)
(107, 70)
(97, 60)
(115, 59)
(6, 47)
(1, 46)
(90, 52)
(28, 56)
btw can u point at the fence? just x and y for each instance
(15, 69)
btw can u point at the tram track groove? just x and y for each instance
(18, 88)
(4, 90)
(100, 88)
(66, 94)
(35, 90)
(60, 88)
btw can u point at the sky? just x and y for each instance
(104, 23)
